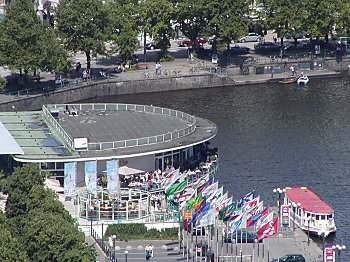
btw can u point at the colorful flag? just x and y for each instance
(265, 219)
(268, 229)
(215, 195)
(246, 198)
(236, 223)
(250, 204)
(207, 219)
(186, 193)
(175, 187)
(254, 220)
(169, 182)
(206, 192)
(220, 204)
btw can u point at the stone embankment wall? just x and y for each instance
(114, 87)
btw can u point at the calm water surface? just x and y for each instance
(274, 135)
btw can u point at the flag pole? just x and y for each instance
(268, 249)
(192, 228)
(187, 258)
(217, 243)
(183, 239)
(227, 236)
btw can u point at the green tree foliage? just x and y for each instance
(83, 24)
(156, 16)
(44, 229)
(10, 247)
(321, 16)
(123, 28)
(49, 237)
(192, 17)
(227, 19)
(26, 44)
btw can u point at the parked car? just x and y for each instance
(290, 258)
(292, 35)
(251, 37)
(266, 47)
(188, 42)
(297, 46)
(152, 45)
(236, 49)
(243, 236)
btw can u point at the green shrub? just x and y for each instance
(139, 231)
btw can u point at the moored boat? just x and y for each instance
(288, 80)
(303, 80)
(309, 212)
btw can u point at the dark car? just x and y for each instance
(266, 47)
(236, 49)
(290, 258)
(242, 236)
(152, 45)
(291, 35)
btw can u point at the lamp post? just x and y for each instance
(114, 237)
(91, 209)
(279, 191)
(309, 219)
(126, 255)
(339, 248)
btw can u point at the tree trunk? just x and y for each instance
(88, 60)
(144, 45)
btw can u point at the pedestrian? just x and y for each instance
(293, 70)
(272, 71)
(157, 68)
(148, 252)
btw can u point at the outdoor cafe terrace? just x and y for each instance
(136, 200)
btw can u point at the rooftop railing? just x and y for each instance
(97, 146)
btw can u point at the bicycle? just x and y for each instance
(177, 72)
(145, 74)
(193, 70)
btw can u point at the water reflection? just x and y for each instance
(275, 135)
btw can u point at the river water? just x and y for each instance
(274, 135)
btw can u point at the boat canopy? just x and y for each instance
(309, 201)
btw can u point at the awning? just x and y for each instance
(8, 145)
(53, 184)
(127, 171)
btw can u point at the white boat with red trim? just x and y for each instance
(309, 211)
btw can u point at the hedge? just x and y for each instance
(139, 231)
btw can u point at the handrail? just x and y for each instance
(51, 120)
(100, 146)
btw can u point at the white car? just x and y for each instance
(251, 37)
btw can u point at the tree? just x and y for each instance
(285, 16)
(156, 16)
(321, 16)
(49, 237)
(227, 19)
(18, 187)
(83, 24)
(123, 28)
(25, 43)
(191, 15)
(10, 248)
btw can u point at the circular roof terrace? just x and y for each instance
(125, 129)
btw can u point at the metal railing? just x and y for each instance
(97, 146)
(105, 248)
(50, 120)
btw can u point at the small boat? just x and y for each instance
(303, 80)
(309, 212)
(288, 80)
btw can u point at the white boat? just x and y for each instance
(309, 212)
(303, 80)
